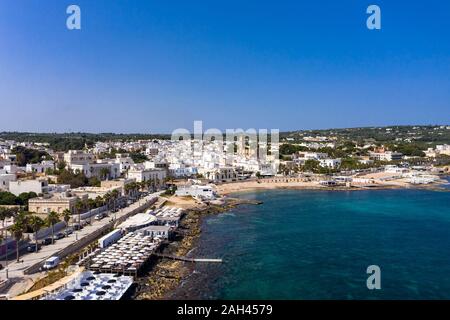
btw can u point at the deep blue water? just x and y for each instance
(318, 245)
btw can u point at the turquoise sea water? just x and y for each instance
(318, 245)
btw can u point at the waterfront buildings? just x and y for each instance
(157, 231)
(57, 202)
(94, 192)
(221, 174)
(117, 184)
(142, 175)
(330, 163)
(386, 156)
(197, 191)
(93, 286)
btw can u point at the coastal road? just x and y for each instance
(16, 269)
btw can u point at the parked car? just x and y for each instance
(32, 247)
(50, 263)
(84, 223)
(68, 231)
(59, 235)
(99, 216)
(77, 226)
(46, 241)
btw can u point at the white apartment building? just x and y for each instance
(443, 149)
(40, 167)
(122, 160)
(39, 186)
(156, 164)
(125, 162)
(386, 156)
(5, 179)
(223, 174)
(330, 163)
(197, 191)
(151, 151)
(96, 170)
(78, 157)
(180, 171)
(314, 155)
(142, 175)
(10, 169)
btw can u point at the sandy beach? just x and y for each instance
(244, 186)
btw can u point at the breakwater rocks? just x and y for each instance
(166, 275)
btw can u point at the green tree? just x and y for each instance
(311, 165)
(17, 230)
(79, 206)
(104, 173)
(61, 165)
(51, 220)
(25, 196)
(36, 223)
(66, 214)
(8, 199)
(5, 213)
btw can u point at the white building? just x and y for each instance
(223, 174)
(197, 191)
(10, 169)
(386, 156)
(314, 155)
(97, 170)
(40, 167)
(330, 163)
(125, 162)
(180, 171)
(163, 232)
(78, 157)
(5, 179)
(38, 186)
(142, 175)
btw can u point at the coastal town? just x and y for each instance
(91, 217)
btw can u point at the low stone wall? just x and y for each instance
(44, 233)
(92, 212)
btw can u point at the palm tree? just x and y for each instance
(98, 202)
(4, 214)
(17, 230)
(66, 214)
(51, 220)
(36, 224)
(104, 173)
(107, 198)
(127, 189)
(115, 195)
(79, 205)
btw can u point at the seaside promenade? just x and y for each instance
(19, 281)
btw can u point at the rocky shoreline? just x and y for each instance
(166, 275)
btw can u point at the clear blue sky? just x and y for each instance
(153, 66)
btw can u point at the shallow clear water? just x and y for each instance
(318, 245)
